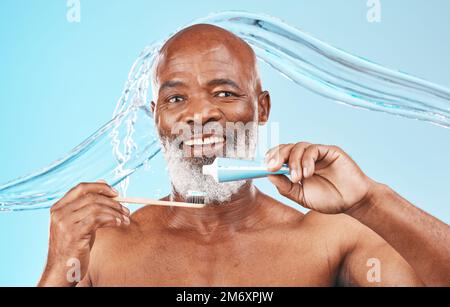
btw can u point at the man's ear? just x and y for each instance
(263, 107)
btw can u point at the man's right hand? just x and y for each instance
(74, 221)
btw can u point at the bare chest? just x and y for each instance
(245, 261)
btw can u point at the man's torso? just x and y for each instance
(289, 249)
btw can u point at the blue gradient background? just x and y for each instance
(60, 82)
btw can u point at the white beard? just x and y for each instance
(187, 177)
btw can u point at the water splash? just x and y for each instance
(128, 141)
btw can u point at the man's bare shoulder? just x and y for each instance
(149, 219)
(340, 224)
(147, 224)
(285, 213)
(341, 229)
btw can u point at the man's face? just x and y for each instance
(208, 104)
(210, 89)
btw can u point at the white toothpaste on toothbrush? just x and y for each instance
(228, 169)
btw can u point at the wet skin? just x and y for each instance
(208, 74)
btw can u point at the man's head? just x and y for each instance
(205, 80)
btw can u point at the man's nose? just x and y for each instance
(201, 112)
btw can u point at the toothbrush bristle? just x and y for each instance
(196, 197)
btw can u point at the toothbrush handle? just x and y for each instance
(148, 201)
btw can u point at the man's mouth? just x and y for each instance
(205, 145)
(205, 140)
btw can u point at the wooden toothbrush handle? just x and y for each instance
(148, 201)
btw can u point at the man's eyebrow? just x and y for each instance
(229, 82)
(170, 84)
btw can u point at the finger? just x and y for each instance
(95, 209)
(293, 191)
(85, 188)
(95, 216)
(278, 157)
(295, 163)
(90, 224)
(270, 152)
(91, 198)
(312, 155)
(274, 152)
(88, 200)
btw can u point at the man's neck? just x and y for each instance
(241, 212)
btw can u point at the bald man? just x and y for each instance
(358, 231)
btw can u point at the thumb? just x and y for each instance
(287, 188)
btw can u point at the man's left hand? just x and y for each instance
(322, 178)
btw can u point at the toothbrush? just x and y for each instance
(227, 169)
(194, 200)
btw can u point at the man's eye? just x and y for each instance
(175, 99)
(225, 94)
